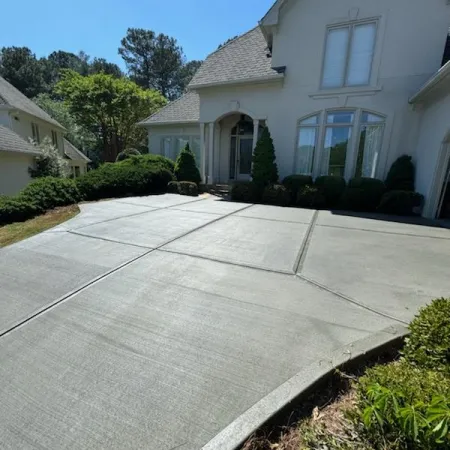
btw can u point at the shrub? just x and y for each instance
(127, 153)
(186, 168)
(247, 192)
(16, 209)
(47, 193)
(310, 197)
(50, 163)
(295, 182)
(332, 188)
(188, 188)
(402, 203)
(429, 342)
(362, 194)
(264, 169)
(150, 160)
(124, 179)
(405, 404)
(173, 187)
(276, 194)
(401, 176)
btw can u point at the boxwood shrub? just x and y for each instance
(310, 197)
(362, 194)
(16, 209)
(276, 194)
(401, 176)
(188, 188)
(295, 182)
(173, 187)
(247, 192)
(332, 188)
(150, 160)
(402, 203)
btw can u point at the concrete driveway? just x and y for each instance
(156, 322)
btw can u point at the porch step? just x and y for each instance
(220, 190)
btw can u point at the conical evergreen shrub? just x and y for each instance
(186, 168)
(401, 176)
(264, 170)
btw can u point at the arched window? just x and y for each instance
(343, 143)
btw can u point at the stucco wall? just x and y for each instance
(5, 119)
(14, 172)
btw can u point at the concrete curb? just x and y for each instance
(235, 435)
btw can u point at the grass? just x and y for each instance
(15, 232)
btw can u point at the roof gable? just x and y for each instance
(11, 96)
(73, 153)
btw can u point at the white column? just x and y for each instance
(211, 154)
(255, 133)
(202, 153)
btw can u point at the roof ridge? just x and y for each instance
(166, 106)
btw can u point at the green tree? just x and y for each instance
(156, 61)
(99, 65)
(265, 169)
(227, 42)
(186, 168)
(110, 108)
(19, 66)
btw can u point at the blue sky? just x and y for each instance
(97, 26)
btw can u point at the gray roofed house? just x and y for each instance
(12, 142)
(73, 153)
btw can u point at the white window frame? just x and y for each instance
(317, 127)
(173, 138)
(35, 132)
(353, 147)
(351, 26)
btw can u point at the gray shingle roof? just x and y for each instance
(186, 109)
(244, 58)
(12, 142)
(11, 96)
(73, 153)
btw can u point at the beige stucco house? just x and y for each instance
(338, 83)
(22, 120)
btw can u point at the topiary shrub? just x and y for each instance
(277, 195)
(16, 209)
(362, 194)
(401, 176)
(332, 188)
(186, 168)
(47, 193)
(188, 188)
(404, 405)
(127, 153)
(264, 168)
(247, 192)
(429, 342)
(294, 182)
(173, 187)
(401, 203)
(310, 197)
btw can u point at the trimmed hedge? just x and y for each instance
(362, 194)
(127, 153)
(188, 188)
(332, 188)
(186, 168)
(15, 209)
(401, 203)
(401, 176)
(247, 192)
(277, 195)
(150, 160)
(310, 197)
(295, 182)
(173, 187)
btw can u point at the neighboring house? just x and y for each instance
(22, 120)
(338, 83)
(77, 160)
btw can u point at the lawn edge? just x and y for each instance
(301, 385)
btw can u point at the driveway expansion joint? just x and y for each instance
(305, 244)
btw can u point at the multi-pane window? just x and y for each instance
(343, 143)
(349, 54)
(55, 138)
(171, 146)
(35, 133)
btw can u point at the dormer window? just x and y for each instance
(349, 54)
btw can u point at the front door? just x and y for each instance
(244, 158)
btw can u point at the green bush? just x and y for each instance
(429, 342)
(310, 197)
(124, 179)
(188, 188)
(16, 209)
(247, 192)
(401, 176)
(47, 193)
(186, 168)
(150, 160)
(362, 194)
(403, 404)
(402, 203)
(127, 153)
(277, 195)
(173, 187)
(264, 168)
(295, 182)
(332, 188)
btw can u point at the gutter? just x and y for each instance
(268, 78)
(437, 78)
(173, 122)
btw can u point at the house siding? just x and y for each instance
(14, 174)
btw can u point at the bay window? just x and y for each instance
(344, 143)
(348, 56)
